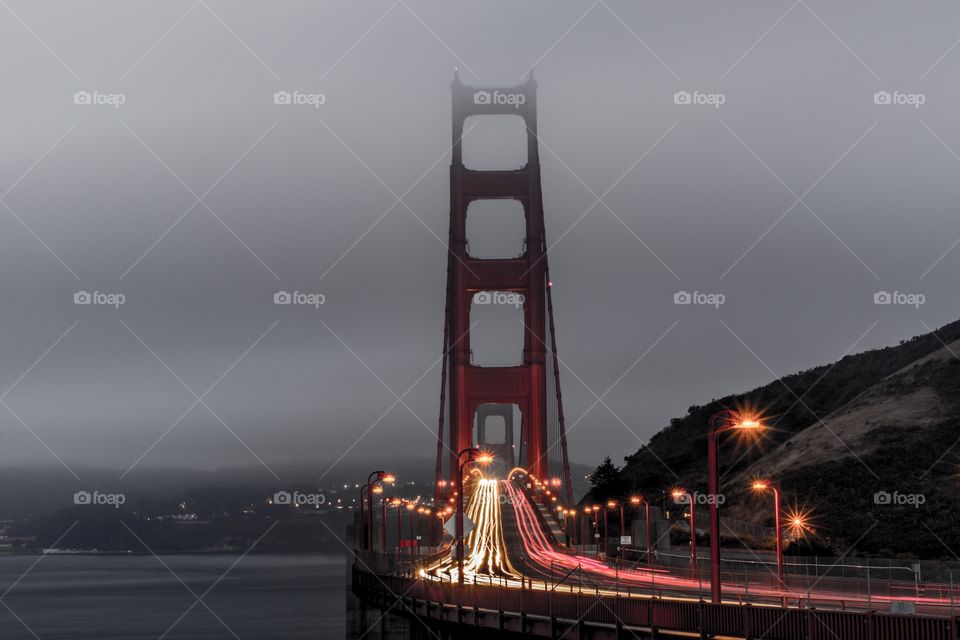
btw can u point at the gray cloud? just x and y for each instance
(288, 207)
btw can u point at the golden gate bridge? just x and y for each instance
(510, 551)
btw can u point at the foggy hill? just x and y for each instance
(884, 420)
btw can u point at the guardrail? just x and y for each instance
(553, 613)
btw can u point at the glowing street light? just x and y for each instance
(596, 528)
(728, 420)
(798, 522)
(681, 495)
(613, 504)
(375, 483)
(760, 485)
(635, 501)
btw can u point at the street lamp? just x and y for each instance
(761, 485)
(397, 503)
(635, 501)
(375, 479)
(612, 504)
(383, 519)
(721, 422)
(480, 457)
(410, 509)
(596, 528)
(681, 495)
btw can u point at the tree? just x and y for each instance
(606, 481)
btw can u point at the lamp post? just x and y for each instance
(721, 422)
(682, 495)
(411, 506)
(398, 505)
(383, 529)
(419, 528)
(596, 530)
(611, 504)
(582, 530)
(761, 485)
(374, 479)
(606, 541)
(439, 527)
(635, 501)
(473, 455)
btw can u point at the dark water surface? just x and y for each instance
(133, 597)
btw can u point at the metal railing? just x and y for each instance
(494, 607)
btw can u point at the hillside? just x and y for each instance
(882, 420)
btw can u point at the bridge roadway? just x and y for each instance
(532, 546)
(519, 579)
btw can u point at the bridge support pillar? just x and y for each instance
(523, 278)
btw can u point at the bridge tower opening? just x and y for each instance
(470, 393)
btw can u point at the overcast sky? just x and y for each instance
(798, 198)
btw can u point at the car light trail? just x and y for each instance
(487, 549)
(488, 562)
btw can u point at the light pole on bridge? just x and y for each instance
(722, 422)
(612, 504)
(635, 501)
(374, 480)
(760, 485)
(683, 496)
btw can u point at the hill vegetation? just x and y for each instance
(868, 444)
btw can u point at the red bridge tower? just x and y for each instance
(468, 386)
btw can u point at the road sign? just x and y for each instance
(626, 539)
(903, 606)
(450, 526)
